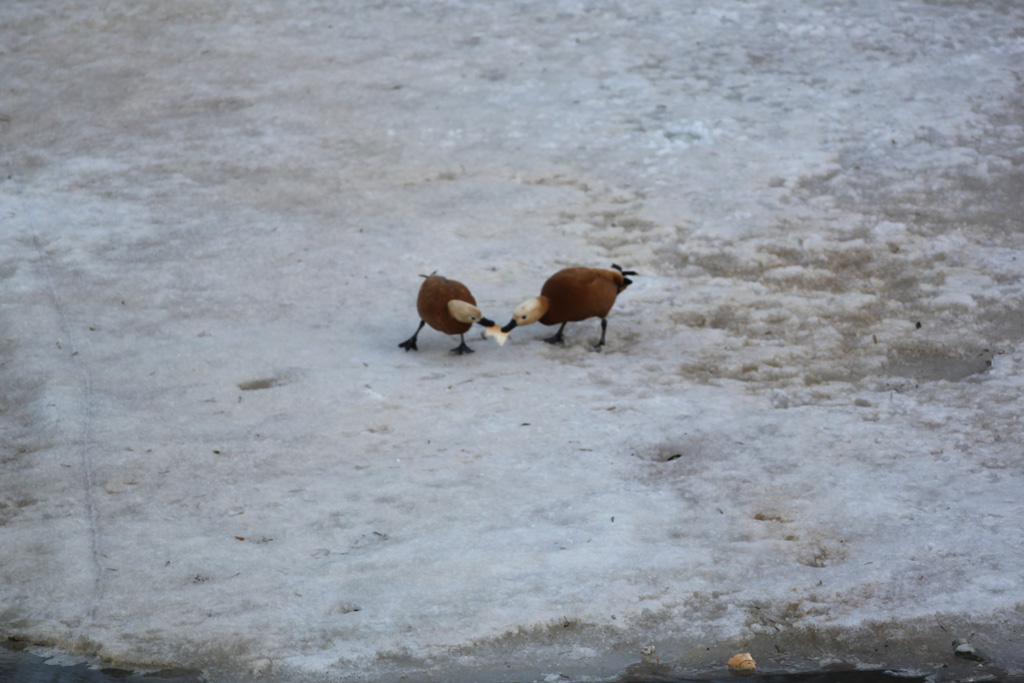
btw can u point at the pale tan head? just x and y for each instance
(530, 311)
(465, 312)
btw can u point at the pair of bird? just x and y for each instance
(570, 295)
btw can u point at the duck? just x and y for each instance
(449, 307)
(571, 295)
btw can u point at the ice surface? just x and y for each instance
(803, 437)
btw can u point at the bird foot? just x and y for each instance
(557, 339)
(462, 348)
(409, 344)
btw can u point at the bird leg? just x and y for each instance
(557, 338)
(410, 343)
(604, 326)
(462, 348)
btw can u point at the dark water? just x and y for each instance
(812, 677)
(848, 676)
(21, 667)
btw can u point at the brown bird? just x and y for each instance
(571, 295)
(447, 306)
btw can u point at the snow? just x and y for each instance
(803, 437)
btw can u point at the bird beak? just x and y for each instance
(510, 326)
(486, 322)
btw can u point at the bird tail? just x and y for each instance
(626, 282)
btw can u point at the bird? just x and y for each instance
(447, 306)
(571, 295)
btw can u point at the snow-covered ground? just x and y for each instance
(803, 438)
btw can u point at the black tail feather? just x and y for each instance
(626, 282)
